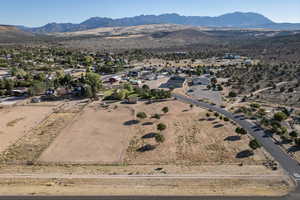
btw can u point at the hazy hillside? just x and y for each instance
(13, 34)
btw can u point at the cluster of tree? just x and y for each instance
(142, 92)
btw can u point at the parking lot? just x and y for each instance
(200, 91)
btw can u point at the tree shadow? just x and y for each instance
(293, 149)
(268, 133)
(131, 122)
(244, 154)
(185, 110)
(202, 119)
(211, 119)
(215, 122)
(147, 123)
(218, 125)
(149, 135)
(147, 147)
(286, 141)
(233, 138)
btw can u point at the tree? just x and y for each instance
(294, 134)
(88, 91)
(232, 94)
(165, 109)
(214, 81)
(161, 127)
(94, 80)
(191, 106)
(159, 138)
(297, 142)
(128, 86)
(240, 131)
(254, 144)
(37, 88)
(280, 116)
(156, 116)
(146, 87)
(141, 115)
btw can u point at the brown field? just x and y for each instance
(17, 121)
(146, 186)
(195, 158)
(110, 136)
(97, 136)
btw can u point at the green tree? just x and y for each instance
(280, 116)
(159, 138)
(294, 134)
(240, 131)
(161, 127)
(165, 109)
(254, 144)
(94, 80)
(88, 91)
(37, 88)
(297, 142)
(141, 115)
(232, 94)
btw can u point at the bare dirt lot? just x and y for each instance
(15, 122)
(97, 136)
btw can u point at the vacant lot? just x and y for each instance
(190, 138)
(17, 121)
(98, 135)
(114, 135)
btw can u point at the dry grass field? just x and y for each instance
(114, 135)
(17, 121)
(78, 146)
(96, 136)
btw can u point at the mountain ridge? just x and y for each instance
(235, 19)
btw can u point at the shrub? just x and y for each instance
(232, 94)
(294, 134)
(156, 116)
(280, 116)
(159, 138)
(241, 131)
(254, 144)
(226, 119)
(165, 109)
(161, 127)
(141, 115)
(207, 115)
(297, 142)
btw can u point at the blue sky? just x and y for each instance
(41, 12)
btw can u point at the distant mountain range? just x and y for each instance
(234, 20)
